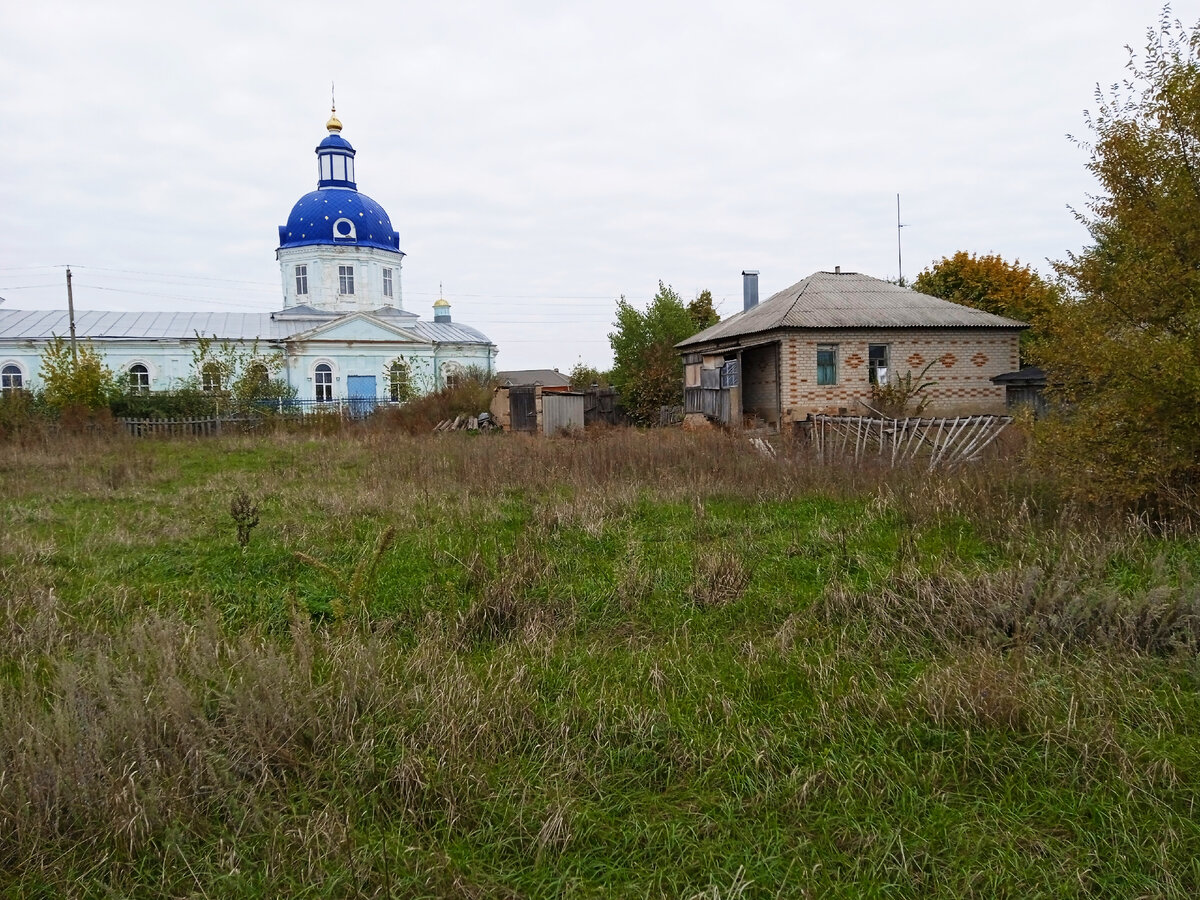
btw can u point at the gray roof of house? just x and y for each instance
(17, 324)
(848, 300)
(544, 377)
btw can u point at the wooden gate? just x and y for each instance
(522, 407)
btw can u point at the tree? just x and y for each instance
(702, 311)
(237, 373)
(994, 285)
(1125, 352)
(584, 376)
(647, 371)
(78, 380)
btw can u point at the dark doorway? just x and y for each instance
(760, 385)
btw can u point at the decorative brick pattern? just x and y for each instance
(960, 385)
(980, 359)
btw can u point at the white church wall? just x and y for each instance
(171, 363)
(322, 262)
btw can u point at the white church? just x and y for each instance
(342, 333)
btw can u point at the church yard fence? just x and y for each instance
(296, 411)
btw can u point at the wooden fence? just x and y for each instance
(205, 427)
(601, 405)
(947, 442)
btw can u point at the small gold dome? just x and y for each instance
(334, 123)
(441, 301)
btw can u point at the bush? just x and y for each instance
(469, 397)
(18, 410)
(185, 402)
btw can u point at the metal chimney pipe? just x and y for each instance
(749, 289)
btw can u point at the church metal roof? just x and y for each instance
(848, 300)
(18, 324)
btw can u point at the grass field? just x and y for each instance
(638, 665)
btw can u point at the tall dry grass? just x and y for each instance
(538, 715)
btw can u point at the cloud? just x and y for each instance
(543, 158)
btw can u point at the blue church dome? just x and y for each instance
(338, 216)
(336, 213)
(335, 140)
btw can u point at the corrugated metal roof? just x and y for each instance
(43, 324)
(17, 324)
(544, 377)
(446, 332)
(848, 300)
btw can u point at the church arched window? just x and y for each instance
(210, 378)
(139, 378)
(258, 379)
(400, 382)
(323, 382)
(11, 378)
(453, 375)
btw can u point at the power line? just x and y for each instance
(174, 276)
(96, 287)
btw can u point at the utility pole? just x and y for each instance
(71, 315)
(899, 248)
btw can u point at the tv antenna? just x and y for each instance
(899, 246)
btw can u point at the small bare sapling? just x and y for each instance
(245, 516)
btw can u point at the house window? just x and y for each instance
(301, 280)
(11, 379)
(827, 364)
(387, 282)
(210, 378)
(877, 363)
(139, 379)
(399, 382)
(345, 279)
(324, 383)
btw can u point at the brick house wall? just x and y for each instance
(964, 362)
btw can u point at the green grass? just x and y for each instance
(638, 665)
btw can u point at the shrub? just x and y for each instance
(471, 395)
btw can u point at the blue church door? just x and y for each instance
(360, 391)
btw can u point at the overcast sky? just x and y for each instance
(543, 158)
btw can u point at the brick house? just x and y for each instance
(819, 346)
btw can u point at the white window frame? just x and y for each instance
(301, 280)
(873, 368)
(212, 379)
(452, 373)
(262, 381)
(346, 281)
(399, 379)
(6, 377)
(827, 348)
(387, 281)
(142, 385)
(322, 389)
